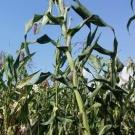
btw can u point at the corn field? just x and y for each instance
(64, 101)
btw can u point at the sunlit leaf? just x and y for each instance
(34, 78)
(105, 129)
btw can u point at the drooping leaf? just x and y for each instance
(102, 50)
(43, 39)
(131, 19)
(82, 11)
(63, 80)
(28, 26)
(95, 19)
(63, 48)
(91, 37)
(46, 39)
(63, 60)
(31, 22)
(85, 13)
(85, 53)
(16, 62)
(50, 121)
(56, 20)
(45, 19)
(131, 4)
(73, 31)
(34, 78)
(95, 92)
(96, 62)
(27, 80)
(43, 76)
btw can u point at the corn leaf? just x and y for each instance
(105, 129)
(85, 13)
(31, 22)
(34, 78)
(56, 20)
(45, 39)
(101, 50)
(131, 4)
(73, 31)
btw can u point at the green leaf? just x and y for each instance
(96, 105)
(62, 79)
(50, 121)
(95, 19)
(46, 39)
(101, 50)
(95, 92)
(70, 60)
(85, 13)
(8, 67)
(82, 11)
(45, 19)
(27, 80)
(130, 21)
(56, 20)
(67, 120)
(115, 46)
(87, 51)
(105, 129)
(28, 26)
(119, 65)
(34, 78)
(73, 31)
(43, 76)
(52, 118)
(95, 61)
(131, 4)
(31, 22)
(19, 63)
(25, 46)
(63, 48)
(23, 62)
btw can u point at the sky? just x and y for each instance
(14, 15)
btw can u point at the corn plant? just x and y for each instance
(64, 102)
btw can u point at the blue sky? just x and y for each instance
(14, 14)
